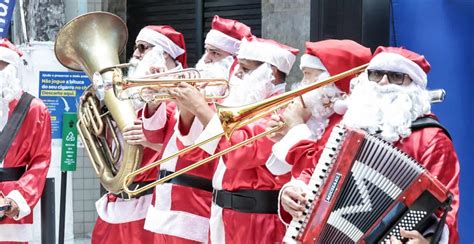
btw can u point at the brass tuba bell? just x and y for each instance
(92, 43)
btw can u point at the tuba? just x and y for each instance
(92, 43)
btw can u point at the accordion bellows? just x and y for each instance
(363, 190)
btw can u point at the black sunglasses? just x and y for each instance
(396, 78)
(142, 47)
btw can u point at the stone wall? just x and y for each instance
(287, 21)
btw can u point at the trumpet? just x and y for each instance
(233, 118)
(154, 87)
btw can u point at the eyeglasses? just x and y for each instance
(142, 47)
(396, 78)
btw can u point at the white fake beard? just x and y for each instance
(253, 87)
(321, 103)
(219, 69)
(141, 68)
(389, 109)
(10, 89)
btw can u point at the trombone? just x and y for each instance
(154, 87)
(233, 118)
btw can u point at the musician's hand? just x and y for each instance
(85, 95)
(155, 70)
(293, 200)
(190, 98)
(413, 236)
(133, 134)
(276, 121)
(296, 114)
(13, 211)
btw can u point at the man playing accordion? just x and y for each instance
(385, 101)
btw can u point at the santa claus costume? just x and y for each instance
(225, 35)
(119, 214)
(29, 155)
(333, 57)
(389, 111)
(245, 192)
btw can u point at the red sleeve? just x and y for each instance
(304, 155)
(158, 136)
(440, 159)
(253, 154)
(31, 184)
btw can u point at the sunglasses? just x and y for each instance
(396, 78)
(142, 47)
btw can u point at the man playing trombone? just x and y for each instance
(245, 193)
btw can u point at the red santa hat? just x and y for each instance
(226, 34)
(167, 38)
(268, 51)
(335, 56)
(398, 59)
(9, 53)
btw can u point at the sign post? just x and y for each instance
(68, 163)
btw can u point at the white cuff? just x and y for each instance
(212, 129)
(294, 135)
(193, 134)
(277, 166)
(23, 207)
(157, 120)
(293, 182)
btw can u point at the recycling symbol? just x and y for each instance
(70, 137)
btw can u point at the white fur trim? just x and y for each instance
(161, 219)
(122, 210)
(157, 120)
(294, 135)
(170, 149)
(217, 225)
(267, 53)
(293, 182)
(194, 132)
(222, 41)
(16, 232)
(9, 56)
(277, 166)
(158, 39)
(23, 207)
(218, 176)
(310, 61)
(213, 128)
(397, 63)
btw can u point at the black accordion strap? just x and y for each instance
(428, 121)
(14, 123)
(439, 228)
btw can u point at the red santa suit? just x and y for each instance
(178, 213)
(332, 57)
(243, 171)
(118, 214)
(31, 149)
(430, 146)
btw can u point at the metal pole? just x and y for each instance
(62, 206)
(199, 28)
(48, 223)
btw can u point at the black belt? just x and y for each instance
(134, 186)
(247, 201)
(188, 180)
(11, 174)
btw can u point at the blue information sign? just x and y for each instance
(6, 13)
(60, 91)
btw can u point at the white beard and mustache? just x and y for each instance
(10, 89)
(141, 68)
(388, 109)
(253, 87)
(321, 103)
(215, 70)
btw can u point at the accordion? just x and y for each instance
(364, 190)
